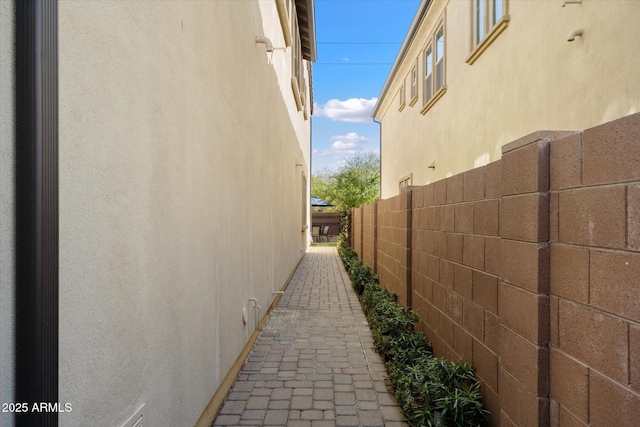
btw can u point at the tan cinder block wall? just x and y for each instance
(595, 276)
(529, 269)
(356, 230)
(392, 244)
(368, 234)
(455, 263)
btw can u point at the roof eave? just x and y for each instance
(408, 40)
(307, 24)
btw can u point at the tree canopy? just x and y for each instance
(355, 183)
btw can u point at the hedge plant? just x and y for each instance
(430, 390)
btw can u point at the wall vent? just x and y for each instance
(137, 419)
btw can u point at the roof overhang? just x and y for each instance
(307, 25)
(408, 40)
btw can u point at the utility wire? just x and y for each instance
(352, 63)
(322, 1)
(359, 43)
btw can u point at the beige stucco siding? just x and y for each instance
(180, 199)
(529, 78)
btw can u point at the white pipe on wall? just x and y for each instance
(265, 40)
(256, 312)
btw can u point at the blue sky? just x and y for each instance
(347, 78)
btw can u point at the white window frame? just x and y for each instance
(489, 18)
(435, 76)
(402, 96)
(405, 182)
(289, 22)
(439, 57)
(414, 84)
(428, 73)
(297, 68)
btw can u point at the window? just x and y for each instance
(498, 11)
(405, 182)
(487, 14)
(428, 74)
(439, 59)
(287, 14)
(401, 96)
(479, 13)
(490, 18)
(297, 68)
(434, 68)
(414, 85)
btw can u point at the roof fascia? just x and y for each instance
(308, 23)
(312, 29)
(411, 34)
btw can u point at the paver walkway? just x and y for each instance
(313, 364)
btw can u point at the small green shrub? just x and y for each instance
(431, 391)
(404, 349)
(373, 293)
(360, 275)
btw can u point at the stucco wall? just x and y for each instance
(6, 208)
(180, 199)
(530, 78)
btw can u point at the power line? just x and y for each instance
(364, 0)
(359, 43)
(352, 63)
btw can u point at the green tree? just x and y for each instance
(320, 183)
(355, 183)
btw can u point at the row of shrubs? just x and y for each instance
(431, 391)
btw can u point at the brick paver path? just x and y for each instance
(313, 364)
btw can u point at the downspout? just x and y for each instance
(310, 218)
(380, 163)
(256, 313)
(36, 214)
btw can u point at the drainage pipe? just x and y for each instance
(36, 211)
(256, 312)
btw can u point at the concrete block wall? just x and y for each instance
(393, 244)
(356, 231)
(369, 234)
(529, 268)
(455, 275)
(595, 276)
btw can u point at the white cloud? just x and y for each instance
(344, 145)
(334, 157)
(349, 141)
(352, 110)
